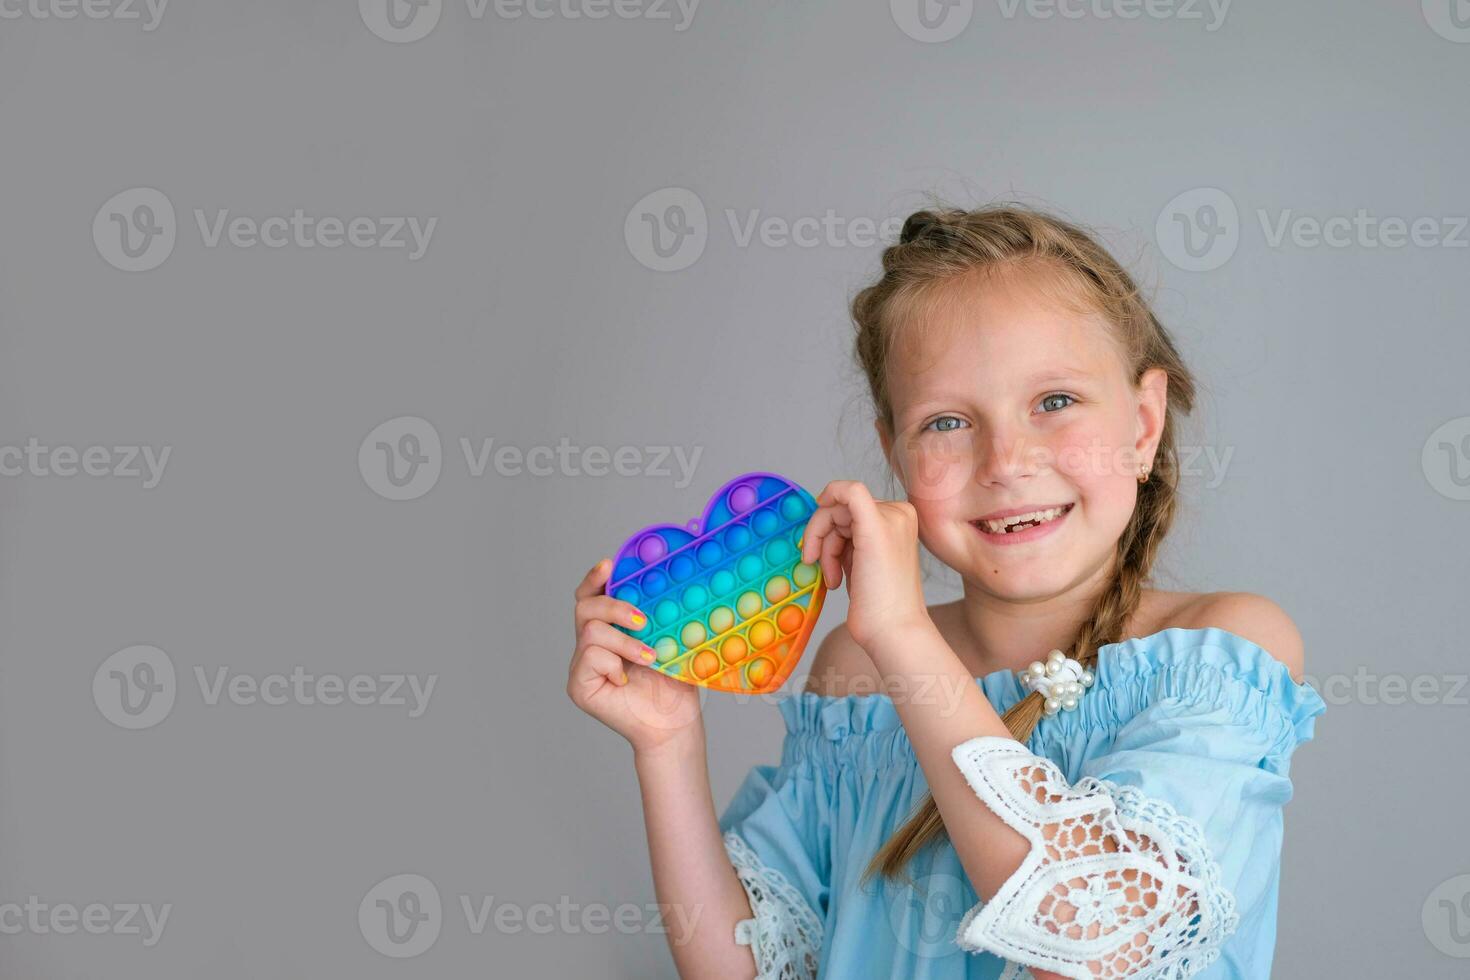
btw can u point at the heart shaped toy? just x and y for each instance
(730, 603)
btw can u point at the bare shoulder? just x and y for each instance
(841, 667)
(1252, 616)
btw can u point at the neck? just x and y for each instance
(1004, 634)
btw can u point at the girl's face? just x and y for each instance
(1008, 405)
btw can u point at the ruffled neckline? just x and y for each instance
(1208, 662)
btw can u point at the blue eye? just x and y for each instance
(1057, 400)
(946, 423)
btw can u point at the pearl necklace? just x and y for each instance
(1061, 681)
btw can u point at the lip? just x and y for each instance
(996, 515)
(1030, 533)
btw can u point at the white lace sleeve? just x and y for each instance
(785, 935)
(1116, 884)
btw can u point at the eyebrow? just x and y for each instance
(1058, 374)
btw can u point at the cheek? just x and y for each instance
(935, 470)
(1099, 460)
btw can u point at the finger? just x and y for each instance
(853, 495)
(817, 527)
(832, 548)
(594, 580)
(598, 633)
(609, 610)
(833, 491)
(824, 521)
(595, 666)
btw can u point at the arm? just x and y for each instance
(1090, 844)
(912, 654)
(692, 875)
(697, 886)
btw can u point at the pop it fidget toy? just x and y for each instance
(730, 603)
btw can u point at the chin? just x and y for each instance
(1021, 584)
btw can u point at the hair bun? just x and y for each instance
(920, 224)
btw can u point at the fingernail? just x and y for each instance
(625, 678)
(639, 619)
(647, 653)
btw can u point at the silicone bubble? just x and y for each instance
(731, 604)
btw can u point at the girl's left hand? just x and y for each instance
(875, 543)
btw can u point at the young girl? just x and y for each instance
(1068, 772)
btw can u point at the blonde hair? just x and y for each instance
(940, 246)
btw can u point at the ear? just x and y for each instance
(1153, 402)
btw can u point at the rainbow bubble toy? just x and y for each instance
(730, 603)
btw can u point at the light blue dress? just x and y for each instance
(1195, 724)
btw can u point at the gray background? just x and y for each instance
(531, 320)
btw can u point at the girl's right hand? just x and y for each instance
(610, 679)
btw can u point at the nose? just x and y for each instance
(1004, 456)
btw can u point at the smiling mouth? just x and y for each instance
(1020, 522)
